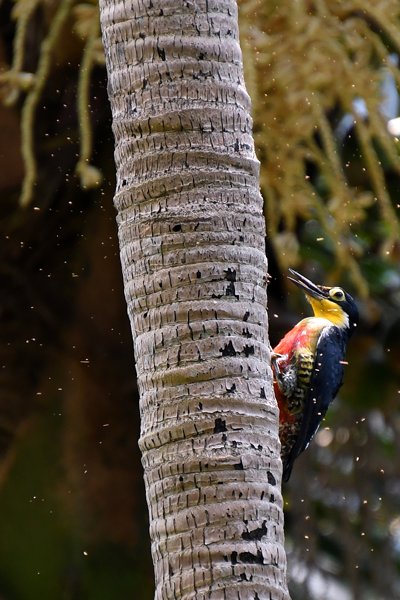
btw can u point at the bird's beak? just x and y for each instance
(306, 285)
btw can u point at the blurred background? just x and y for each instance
(324, 79)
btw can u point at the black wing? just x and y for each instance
(326, 379)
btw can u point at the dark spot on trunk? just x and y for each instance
(237, 147)
(234, 558)
(220, 426)
(200, 406)
(255, 534)
(272, 498)
(232, 389)
(247, 350)
(228, 349)
(248, 557)
(238, 466)
(177, 227)
(161, 53)
(262, 393)
(198, 274)
(230, 274)
(246, 315)
(271, 478)
(258, 447)
(231, 291)
(246, 333)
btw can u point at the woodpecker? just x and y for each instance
(308, 365)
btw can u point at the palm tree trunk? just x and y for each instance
(191, 233)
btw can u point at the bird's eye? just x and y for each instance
(336, 294)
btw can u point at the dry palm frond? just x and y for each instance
(15, 80)
(305, 62)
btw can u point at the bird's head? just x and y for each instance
(331, 303)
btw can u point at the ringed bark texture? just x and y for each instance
(191, 231)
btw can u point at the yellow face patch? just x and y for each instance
(327, 309)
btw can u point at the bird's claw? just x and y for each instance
(277, 358)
